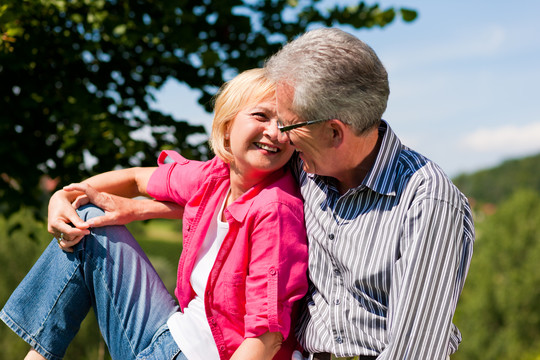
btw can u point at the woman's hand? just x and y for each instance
(66, 225)
(118, 210)
(63, 221)
(263, 347)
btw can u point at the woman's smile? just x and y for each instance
(267, 147)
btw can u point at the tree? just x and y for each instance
(499, 312)
(494, 185)
(78, 75)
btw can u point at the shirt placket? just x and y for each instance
(335, 302)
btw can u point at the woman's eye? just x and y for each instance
(259, 116)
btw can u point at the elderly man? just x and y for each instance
(390, 237)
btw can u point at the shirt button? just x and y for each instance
(213, 321)
(272, 271)
(337, 302)
(339, 340)
(336, 272)
(222, 348)
(331, 236)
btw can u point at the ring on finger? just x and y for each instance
(61, 238)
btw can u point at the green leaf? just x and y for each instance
(120, 30)
(408, 15)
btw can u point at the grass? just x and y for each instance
(161, 240)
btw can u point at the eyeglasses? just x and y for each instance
(285, 128)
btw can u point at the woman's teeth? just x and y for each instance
(267, 148)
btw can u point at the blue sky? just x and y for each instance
(464, 80)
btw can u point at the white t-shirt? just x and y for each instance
(190, 329)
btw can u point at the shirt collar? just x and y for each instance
(382, 176)
(240, 207)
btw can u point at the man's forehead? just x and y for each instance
(284, 89)
(284, 98)
(283, 108)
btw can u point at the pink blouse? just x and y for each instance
(260, 270)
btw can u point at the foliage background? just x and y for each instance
(78, 75)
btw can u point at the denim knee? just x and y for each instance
(89, 211)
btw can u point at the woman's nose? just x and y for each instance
(282, 137)
(271, 130)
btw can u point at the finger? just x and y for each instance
(68, 245)
(60, 226)
(65, 248)
(62, 243)
(80, 201)
(68, 228)
(70, 242)
(93, 196)
(100, 221)
(77, 222)
(75, 187)
(75, 233)
(65, 231)
(92, 193)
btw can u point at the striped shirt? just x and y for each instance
(387, 260)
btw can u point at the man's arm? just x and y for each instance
(426, 282)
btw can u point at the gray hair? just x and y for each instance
(335, 76)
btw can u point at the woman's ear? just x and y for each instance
(227, 135)
(226, 140)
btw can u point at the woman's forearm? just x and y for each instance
(150, 209)
(111, 191)
(263, 347)
(129, 183)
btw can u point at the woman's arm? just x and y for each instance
(122, 210)
(128, 183)
(263, 347)
(112, 192)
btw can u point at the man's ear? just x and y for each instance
(338, 132)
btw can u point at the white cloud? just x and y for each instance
(509, 139)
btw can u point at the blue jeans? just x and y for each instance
(108, 271)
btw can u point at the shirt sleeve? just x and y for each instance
(277, 269)
(175, 179)
(427, 281)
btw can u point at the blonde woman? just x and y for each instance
(243, 264)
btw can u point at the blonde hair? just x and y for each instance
(249, 87)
